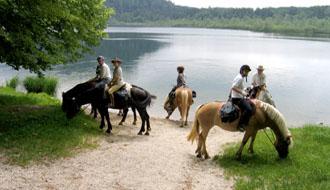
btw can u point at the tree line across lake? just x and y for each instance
(308, 21)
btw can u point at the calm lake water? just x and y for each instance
(297, 69)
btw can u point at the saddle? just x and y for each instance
(230, 112)
(121, 96)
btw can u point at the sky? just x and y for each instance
(250, 3)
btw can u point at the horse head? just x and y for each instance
(282, 146)
(72, 108)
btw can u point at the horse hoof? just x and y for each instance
(198, 155)
(134, 123)
(168, 117)
(120, 123)
(147, 133)
(108, 132)
(101, 127)
(181, 126)
(140, 133)
(207, 157)
(251, 151)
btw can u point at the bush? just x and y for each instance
(13, 82)
(41, 84)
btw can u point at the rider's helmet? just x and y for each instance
(244, 67)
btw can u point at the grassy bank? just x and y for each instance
(307, 167)
(33, 129)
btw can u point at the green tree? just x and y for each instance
(37, 34)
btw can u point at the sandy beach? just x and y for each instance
(125, 160)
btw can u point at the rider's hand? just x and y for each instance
(244, 93)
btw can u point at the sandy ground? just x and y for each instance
(124, 160)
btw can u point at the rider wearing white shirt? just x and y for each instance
(258, 80)
(237, 95)
(102, 72)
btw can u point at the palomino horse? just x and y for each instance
(182, 100)
(266, 115)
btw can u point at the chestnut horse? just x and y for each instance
(266, 115)
(182, 101)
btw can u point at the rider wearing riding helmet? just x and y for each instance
(237, 95)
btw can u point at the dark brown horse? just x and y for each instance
(140, 99)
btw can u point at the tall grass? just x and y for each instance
(41, 84)
(12, 83)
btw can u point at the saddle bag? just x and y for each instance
(229, 112)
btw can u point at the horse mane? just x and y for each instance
(276, 116)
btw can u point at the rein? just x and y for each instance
(269, 137)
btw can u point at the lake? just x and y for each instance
(297, 69)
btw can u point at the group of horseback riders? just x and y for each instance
(237, 93)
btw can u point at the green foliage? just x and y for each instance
(307, 166)
(31, 132)
(37, 34)
(41, 84)
(312, 21)
(9, 96)
(13, 82)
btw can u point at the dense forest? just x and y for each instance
(311, 21)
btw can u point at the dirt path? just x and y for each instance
(124, 160)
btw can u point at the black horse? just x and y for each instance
(75, 91)
(140, 99)
(80, 88)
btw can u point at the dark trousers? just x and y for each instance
(246, 110)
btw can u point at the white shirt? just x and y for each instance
(238, 83)
(104, 71)
(259, 79)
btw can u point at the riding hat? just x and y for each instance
(116, 60)
(260, 68)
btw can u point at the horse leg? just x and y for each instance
(94, 110)
(199, 146)
(107, 117)
(102, 118)
(253, 136)
(244, 141)
(142, 115)
(124, 117)
(148, 123)
(134, 113)
(120, 112)
(204, 134)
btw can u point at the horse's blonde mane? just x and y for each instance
(276, 116)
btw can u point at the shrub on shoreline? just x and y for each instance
(41, 84)
(12, 83)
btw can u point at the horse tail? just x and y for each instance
(194, 133)
(184, 98)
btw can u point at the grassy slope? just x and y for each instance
(307, 167)
(33, 128)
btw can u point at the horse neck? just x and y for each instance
(87, 97)
(79, 88)
(275, 120)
